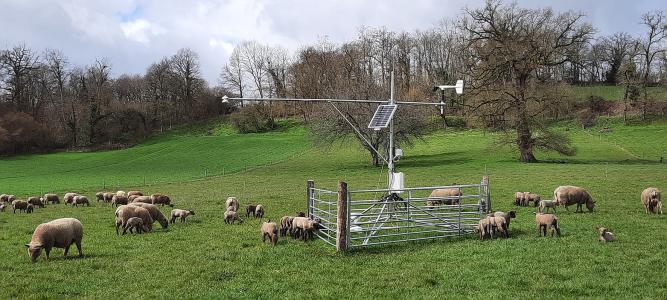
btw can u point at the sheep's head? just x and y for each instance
(301, 214)
(34, 251)
(602, 230)
(165, 224)
(512, 214)
(192, 212)
(590, 205)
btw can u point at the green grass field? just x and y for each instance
(206, 258)
(614, 92)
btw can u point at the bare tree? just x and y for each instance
(16, 64)
(650, 47)
(232, 74)
(185, 66)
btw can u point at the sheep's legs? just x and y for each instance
(78, 247)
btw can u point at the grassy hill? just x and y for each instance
(614, 92)
(206, 258)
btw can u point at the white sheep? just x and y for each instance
(81, 200)
(231, 216)
(60, 233)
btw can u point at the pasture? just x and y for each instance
(206, 258)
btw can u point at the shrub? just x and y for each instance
(253, 119)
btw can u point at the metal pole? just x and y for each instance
(309, 195)
(390, 161)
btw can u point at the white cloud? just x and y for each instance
(141, 30)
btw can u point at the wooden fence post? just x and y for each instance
(341, 220)
(309, 195)
(487, 193)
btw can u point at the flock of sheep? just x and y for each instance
(499, 222)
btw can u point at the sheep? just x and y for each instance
(506, 215)
(499, 224)
(518, 198)
(59, 233)
(121, 194)
(20, 205)
(304, 227)
(53, 198)
(484, 228)
(135, 223)
(81, 200)
(180, 213)
(285, 224)
(161, 199)
(2, 207)
(69, 198)
(651, 199)
(125, 212)
(118, 200)
(547, 221)
(4, 198)
(231, 216)
(605, 235)
(99, 196)
(35, 202)
(259, 211)
(445, 196)
(250, 209)
(156, 214)
(531, 197)
(131, 193)
(29, 209)
(140, 199)
(269, 229)
(232, 202)
(546, 204)
(569, 195)
(108, 197)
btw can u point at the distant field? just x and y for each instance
(614, 92)
(207, 258)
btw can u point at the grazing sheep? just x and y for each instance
(135, 223)
(304, 228)
(161, 199)
(180, 213)
(99, 196)
(81, 200)
(569, 195)
(445, 196)
(531, 197)
(518, 198)
(547, 221)
(605, 235)
(156, 214)
(546, 204)
(250, 209)
(11, 198)
(506, 215)
(125, 212)
(108, 197)
(20, 205)
(2, 207)
(53, 198)
(69, 198)
(29, 209)
(118, 200)
(231, 216)
(140, 199)
(269, 229)
(35, 202)
(651, 200)
(259, 211)
(59, 233)
(131, 193)
(232, 202)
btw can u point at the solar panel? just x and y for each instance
(382, 116)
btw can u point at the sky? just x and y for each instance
(132, 34)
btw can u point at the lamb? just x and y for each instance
(285, 224)
(99, 196)
(232, 202)
(304, 227)
(180, 213)
(81, 200)
(35, 202)
(53, 198)
(69, 198)
(498, 224)
(259, 211)
(20, 205)
(531, 197)
(156, 214)
(140, 199)
(161, 199)
(269, 229)
(445, 196)
(59, 233)
(250, 209)
(547, 221)
(118, 200)
(484, 228)
(125, 212)
(546, 204)
(231, 216)
(518, 198)
(569, 195)
(108, 197)
(605, 235)
(131, 193)
(29, 208)
(135, 223)
(506, 215)
(651, 200)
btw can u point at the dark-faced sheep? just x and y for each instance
(285, 224)
(259, 211)
(20, 205)
(547, 221)
(445, 196)
(180, 213)
(250, 209)
(269, 229)
(59, 233)
(498, 224)
(570, 195)
(125, 212)
(156, 214)
(117, 200)
(161, 199)
(605, 235)
(231, 216)
(508, 216)
(35, 201)
(136, 224)
(99, 196)
(651, 200)
(53, 198)
(531, 197)
(81, 200)
(304, 228)
(232, 202)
